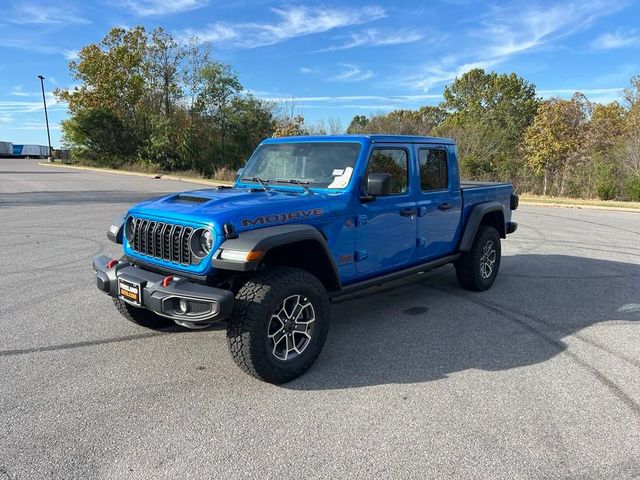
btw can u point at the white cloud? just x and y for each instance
(16, 106)
(376, 38)
(70, 54)
(19, 43)
(619, 39)
(35, 126)
(351, 98)
(145, 8)
(292, 22)
(599, 95)
(308, 70)
(571, 91)
(519, 30)
(351, 73)
(370, 103)
(445, 71)
(372, 107)
(18, 91)
(508, 31)
(27, 13)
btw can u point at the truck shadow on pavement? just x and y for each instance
(427, 327)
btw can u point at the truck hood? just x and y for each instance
(244, 208)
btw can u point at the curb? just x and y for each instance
(578, 206)
(157, 176)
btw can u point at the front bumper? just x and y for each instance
(162, 294)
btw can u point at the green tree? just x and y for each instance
(163, 63)
(101, 135)
(111, 74)
(423, 121)
(166, 104)
(502, 104)
(632, 128)
(290, 126)
(358, 124)
(553, 142)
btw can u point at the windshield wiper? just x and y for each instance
(304, 185)
(262, 182)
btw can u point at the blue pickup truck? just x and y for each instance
(308, 219)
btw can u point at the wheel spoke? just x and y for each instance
(273, 335)
(290, 304)
(281, 315)
(294, 343)
(300, 307)
(310, 314)
(290, 345)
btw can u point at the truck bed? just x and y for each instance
(478, 192)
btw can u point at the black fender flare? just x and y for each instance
(475, 219)
(265, 239)
(115, 230)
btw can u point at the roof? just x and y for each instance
(374, 138)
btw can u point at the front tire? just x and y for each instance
(478, 268)
(141, 316)
(279, 324)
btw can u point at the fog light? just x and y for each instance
(184, 306)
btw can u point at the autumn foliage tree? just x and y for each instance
(553, 142)
(145, 98)
(504, 131)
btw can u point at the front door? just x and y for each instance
(386, 227)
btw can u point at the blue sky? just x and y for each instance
(337, 59)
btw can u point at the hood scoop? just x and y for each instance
(190, 199)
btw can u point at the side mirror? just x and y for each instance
(379, 184)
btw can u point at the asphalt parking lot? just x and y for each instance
(537, 378)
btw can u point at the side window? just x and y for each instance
(433, 169)
(393, 161)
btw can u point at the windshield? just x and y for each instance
(320, 165)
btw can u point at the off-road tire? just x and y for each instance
(468, 268)
(141, 316)
(256, 302)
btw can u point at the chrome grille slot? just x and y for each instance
(163, 241)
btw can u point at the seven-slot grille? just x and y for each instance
(163, 241)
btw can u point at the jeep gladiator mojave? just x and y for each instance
(308, 219)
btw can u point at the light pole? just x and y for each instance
(46, 116)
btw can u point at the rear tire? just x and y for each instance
(279, 324)
(478, 268)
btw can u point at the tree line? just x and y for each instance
(144, 99)
(504, 131)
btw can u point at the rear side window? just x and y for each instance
(393, 161)
(433, 169)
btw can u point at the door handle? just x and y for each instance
(408, 212)
(445, 206)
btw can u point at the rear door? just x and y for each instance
(439, 203)
(386, 227)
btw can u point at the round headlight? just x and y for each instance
(129, 229)
(206, 240)
(201, 242)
